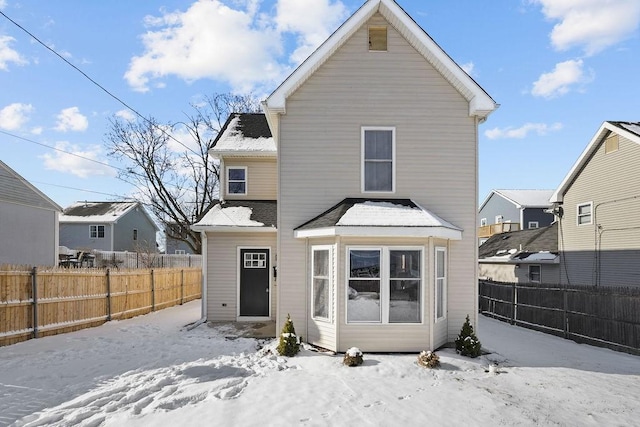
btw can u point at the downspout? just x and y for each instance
(203, 292)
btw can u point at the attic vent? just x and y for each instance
(378, 39)
(611, 144)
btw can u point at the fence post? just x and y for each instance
(181, 286)
(153, 293)
(566, 312)
(34, 294)
(108, 295)
(514, 315)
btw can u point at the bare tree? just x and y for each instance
(169, 164)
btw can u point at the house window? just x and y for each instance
(97, 231)
(441, 283)
(533, 224)
(255, 260)
(378, 39)
(534, 273)
(378, 155)
(483, 222)
(384, 285)
(611, 144)
(499, 219)
(321, 282)
(180, 252)
(135, 234)
(237, 180)
(584, 213)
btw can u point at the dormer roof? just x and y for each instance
(244, 135)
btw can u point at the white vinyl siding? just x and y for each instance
(261, 178)
(320, 164)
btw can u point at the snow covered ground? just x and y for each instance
(150, 370)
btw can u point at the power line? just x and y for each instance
(96, 83)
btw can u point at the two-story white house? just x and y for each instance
(353, 209)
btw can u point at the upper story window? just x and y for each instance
(237, 180)
(135, 234)
(378, 38)
(584, 213)
(378, 159)
(533, 224)
(483, 222)
(499, 219)
(97, 231)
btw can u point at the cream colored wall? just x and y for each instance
(261, 178)
(436, 156)
(222, 271)
(612, 182)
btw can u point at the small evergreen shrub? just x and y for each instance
(428, 359)
(467, 344)
(353, 357)
(289, 344)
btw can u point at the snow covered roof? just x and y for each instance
(523, 198)
(240, 215)
(245, 134)
(380, 218)
(538, 245)
(100, 212)
(480, 103)
(630, 130)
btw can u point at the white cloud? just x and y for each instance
(79, 163)
(468, 67)
(311, 20)
(8, 55)
(523, 131)
(593, 25)
(37, 130)
(70, 119)
(241, 47)
(559, 81)
(13, 116)
(126, 115)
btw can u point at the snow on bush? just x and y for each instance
(353, 357)
(428, 359)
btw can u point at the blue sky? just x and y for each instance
(558, 68)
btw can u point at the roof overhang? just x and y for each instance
(354, 231)
(218, 154)
(232, 229)
(480, 103)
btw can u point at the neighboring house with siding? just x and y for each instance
(375, 239)
(599, 206)
(28, 222)
(108, 226)
(525, 256)
(512, 210)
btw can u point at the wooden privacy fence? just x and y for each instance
(603, 316)
(40, 302)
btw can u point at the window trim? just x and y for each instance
(578, 215)
(436, 294)
(483, 222)
(539, 273)
(530, 223)
(329, 249)
(97, 228)
(385, 280)
(499, 219)
(179, 252)
(246, 181)
(386, 35)
(363, 131)
(135, 234)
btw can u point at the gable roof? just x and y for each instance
(15, 189)
(245, 134)
(480, 103)
(523, 198)
(240, 215)
(630, 130)
(532, 245)
(378, 217)
(101, 212)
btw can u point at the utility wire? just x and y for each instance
(96, 83)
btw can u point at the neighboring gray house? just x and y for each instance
(28, 222)
(598, 204)
(374, 243)
(175, 246)
(512, 210)
(108, 226)
(525, 256)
